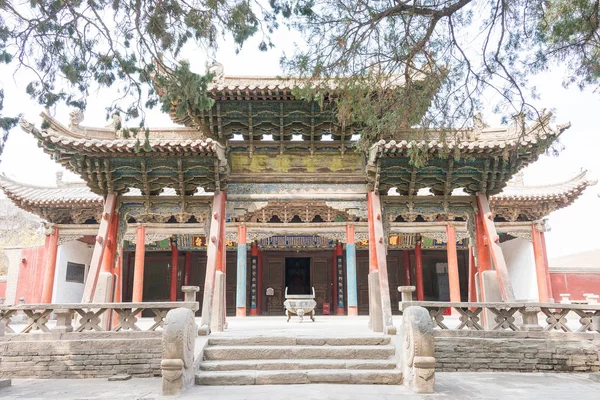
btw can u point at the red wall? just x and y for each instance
(3, 289)
(31, 275)
(576, 284)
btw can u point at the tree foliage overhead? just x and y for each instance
(470, 47)
(396, 64)
(73, 46)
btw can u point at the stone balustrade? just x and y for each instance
(512, 316)
(88, 316)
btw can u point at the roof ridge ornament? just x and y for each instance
(219, 71)
(76, 117)
(478, 122)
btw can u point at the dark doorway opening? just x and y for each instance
(297, 275)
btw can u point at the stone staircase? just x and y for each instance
(268, 360)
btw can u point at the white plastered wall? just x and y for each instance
(520, 262)
(75, 252)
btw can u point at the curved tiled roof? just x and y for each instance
(471, 141)
(70, 194)
(59, 136)
(562, 192)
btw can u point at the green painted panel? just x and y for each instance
(291, 163)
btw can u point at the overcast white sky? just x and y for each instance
(573, 228)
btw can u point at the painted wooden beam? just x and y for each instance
(492, 240)
(99, 247)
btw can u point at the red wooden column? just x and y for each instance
(187, 268)
(419, 272)
(407, 268)
(213, 262)
(453, 276)
(483, 253)
(540, 264)
(174, 270)
(138, 268)
(99, 248)
(378, 239)
(492, 239)
(548, 280)
(472, 271)
(50, 270)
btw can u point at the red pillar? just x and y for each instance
(174, 270)
(187, 268)
(419, 272)
(372, 241)
(483, 253)
(472, 271)
(49, 272)
(545, 252)
(138, 269)
(540, 265)
(453, 276)
(407, 268)
(99, 247)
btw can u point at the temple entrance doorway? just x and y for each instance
(297, 275)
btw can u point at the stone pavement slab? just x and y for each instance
(449, 385)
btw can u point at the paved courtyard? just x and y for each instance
(449, 385)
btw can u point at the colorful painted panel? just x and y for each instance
(290, 163)
(296, 242)
(429, 243)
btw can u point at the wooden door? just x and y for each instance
(321, 279)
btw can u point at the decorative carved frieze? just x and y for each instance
(299, 211)
(62, 239)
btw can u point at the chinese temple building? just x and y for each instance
(265, 192)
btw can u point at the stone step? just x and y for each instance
(381, 352)
(285, 377)
(264, 365)
(302, 341)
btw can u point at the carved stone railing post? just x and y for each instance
(2, 328)
(596, 322)
(418, 362)
(179, 337)
(64, 319)
(565, 298)
(407, 292)
(530, 319)
(189, 293)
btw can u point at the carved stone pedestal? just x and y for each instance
(179, 338)
(418, 362)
